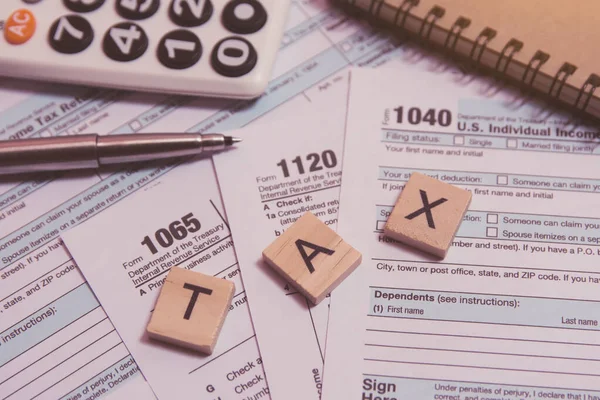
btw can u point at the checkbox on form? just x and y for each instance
(380, 225)
(459, 140)
(502, 180)
(491, 232)
(511, 143)
(492, 218)
(135, 125)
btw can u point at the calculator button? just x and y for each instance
(137, 9)
(233, 57)
(19, 27)
(179, 49)
(32, 1)
(125, 41)
(70, 34)
(83, 6)
(190, 13)
(244, 16)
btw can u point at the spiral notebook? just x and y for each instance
(547, 45)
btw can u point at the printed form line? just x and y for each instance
(478, 352)
(480, 366)
(479, 337)
(62, 362)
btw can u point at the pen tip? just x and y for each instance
(230, 140)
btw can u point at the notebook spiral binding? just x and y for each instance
(530, 76)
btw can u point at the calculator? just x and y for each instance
(221, 48)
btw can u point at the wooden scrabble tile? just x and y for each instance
(312, 257)
(427, 214)
(191, 309)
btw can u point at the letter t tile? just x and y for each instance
(191, 309)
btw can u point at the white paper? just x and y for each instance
(55, 339)
(127, 276)
(318, 42)
(511, 312)
(279, 173)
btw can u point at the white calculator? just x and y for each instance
(222, 48)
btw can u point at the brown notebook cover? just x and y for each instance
(547, 45)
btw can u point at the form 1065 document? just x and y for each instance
(177, 221)
(512, 311)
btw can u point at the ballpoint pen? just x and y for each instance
(93, 151)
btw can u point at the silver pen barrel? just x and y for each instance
(120, 149)
(48, 154)
(92, 151)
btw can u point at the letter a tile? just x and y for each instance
(312, 257)
(191, 309)
(427, 214)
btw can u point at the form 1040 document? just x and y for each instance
(511, 313)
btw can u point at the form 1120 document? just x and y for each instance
(511, 313)
(280, 173)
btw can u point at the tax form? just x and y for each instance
(177, 222)
(80, 348)
(278, 174)
(512, 311)
(55, 340)
(130, 269)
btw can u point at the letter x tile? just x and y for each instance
(427, 214)
(191, 309)
(312, 257)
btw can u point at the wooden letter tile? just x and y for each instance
(427, 214)
(312, 257)
(191, 309)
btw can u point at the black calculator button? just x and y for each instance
(70, 34)
(179, 49)
(137, 9)
(190, 13)
(83, 6)
(125, 41)
(32, 1)
(244, 16)
(233, 57)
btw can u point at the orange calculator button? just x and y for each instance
(19, 27)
